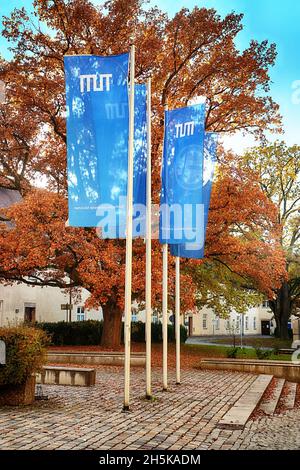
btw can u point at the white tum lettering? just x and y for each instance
(88, 82)
(186, 129)
(116, 110)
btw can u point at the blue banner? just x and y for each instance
(139, 161)
(210, 156)
(97, 137)
(139, 176)
(181, 211)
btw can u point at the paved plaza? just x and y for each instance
(185, 417)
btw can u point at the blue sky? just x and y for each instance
(275, 20)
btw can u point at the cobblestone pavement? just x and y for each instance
(185, 417)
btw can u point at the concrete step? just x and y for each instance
(239, 414)
(289, 399)
(269, 403)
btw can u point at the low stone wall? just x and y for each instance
(280, 369)
(66, 376)
(94, 358)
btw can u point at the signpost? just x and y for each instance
(66, 307)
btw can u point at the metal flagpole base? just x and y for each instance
(149, 397)
(126, 408)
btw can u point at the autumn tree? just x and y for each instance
(190, 55)
(278, 170)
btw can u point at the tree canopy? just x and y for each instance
(190, 55)
(277, 167)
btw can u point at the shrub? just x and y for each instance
(81, 333)
(88, 333)
(138, 333)
(25, 353)
(232, 352)
(263, 353)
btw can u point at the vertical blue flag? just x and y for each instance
(139, 165)
(210, 156)
(97, 137)
(181, 211)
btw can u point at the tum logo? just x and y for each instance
(116, 110)
(95, 82)
(185, 129)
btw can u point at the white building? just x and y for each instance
(256, 321)
(20, 302)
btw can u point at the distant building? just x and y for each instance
(255, 321)
(20, 302)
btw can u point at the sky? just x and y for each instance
(275, 20)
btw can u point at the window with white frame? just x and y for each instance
(254, 323)
(265, 304)
(246, 323)
(217, 323)
(238, 321)
(80, 314)
(204, 321)
(227, 324)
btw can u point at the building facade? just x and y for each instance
(258, 320)
(20, 302)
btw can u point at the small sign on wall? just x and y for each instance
(66, 307)
(2, 353)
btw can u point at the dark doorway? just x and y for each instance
(29, 315)
(190, 326)
(265, 328)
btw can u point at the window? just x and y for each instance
(227, 324)
(265, 304)
(80, 314)
(246, 323)
(134, 318)
(254, 323)
(204, 321)
(238, 321)
(217, 323)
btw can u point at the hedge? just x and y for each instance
(88, 333)
(25, 353)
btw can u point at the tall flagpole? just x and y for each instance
(165, 316)
(148, 247)
(128, 272)
(165, 311)
(177, 318)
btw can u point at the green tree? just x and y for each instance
(278, 168)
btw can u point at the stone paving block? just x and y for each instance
(185, 418)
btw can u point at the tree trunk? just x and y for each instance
(112, 322)
(282, 309)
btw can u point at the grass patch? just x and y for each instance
(203, 350)
(270, 342)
